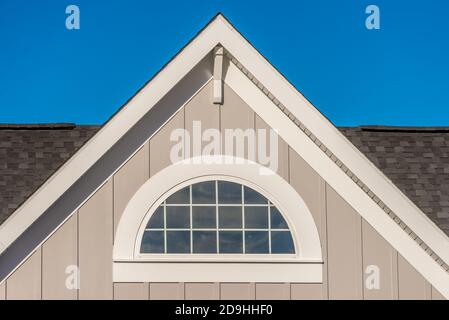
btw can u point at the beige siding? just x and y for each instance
(344, 249)
(201, 109)
(412, 286)
(131, 291)
(3, 290)
(272, 291)
(307, 291)
(95, 245)
(60, 255)
(166, 291)
(436, 295)
(128, 180)
(235, 114)
(26, 282)
(312, 188)
(237, 291)
(377, 253)
(281, 153)
(160, 144)
(202, 291)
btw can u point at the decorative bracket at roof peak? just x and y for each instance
(218, 75)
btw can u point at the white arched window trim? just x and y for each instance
(129, 265)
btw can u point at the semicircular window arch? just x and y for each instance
(217, 217)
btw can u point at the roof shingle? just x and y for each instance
(29, 154)
(414, 159)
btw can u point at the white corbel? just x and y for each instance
(218, 75)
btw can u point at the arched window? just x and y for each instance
(217, 217)
(220, 220)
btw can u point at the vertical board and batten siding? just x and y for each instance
(95, 245)
(312, 189)
(235, 114)
(272, 291)
(166, 291)
(26, 282)
(349, 243)
(282, 153)
(344, 247)
(201, 109)
(201, 291)
(237, 291)
(378, 253)
(3, 291)
(160, 144)
(412, 286)
(436, 295)
(59, 253)
(131, 291)
(129, 179)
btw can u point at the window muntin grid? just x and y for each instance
(217, 217)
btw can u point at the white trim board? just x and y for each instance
(219, 31)
(217, 272)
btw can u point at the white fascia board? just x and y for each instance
(217, 272)
(338, 180)
(333, 139)
(109, 134)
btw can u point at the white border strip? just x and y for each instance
(217, 272)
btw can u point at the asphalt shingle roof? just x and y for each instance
(415, 159)
(29, 154)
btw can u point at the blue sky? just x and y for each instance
(398, 75)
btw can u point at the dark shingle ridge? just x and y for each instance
(405, 129)
(41, 126)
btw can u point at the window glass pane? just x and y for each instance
(262, 222)
(254, 197)
(178, 241)
(204, 217)
(230, 217)
(256, 217)
(229, 192)
(178, 217)
(152, 242)
(277, 220)
(231, 241)
(203, 192)
(180, 197)
(282, 242)
(157, 219)
(204, 242)
(256, 242)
